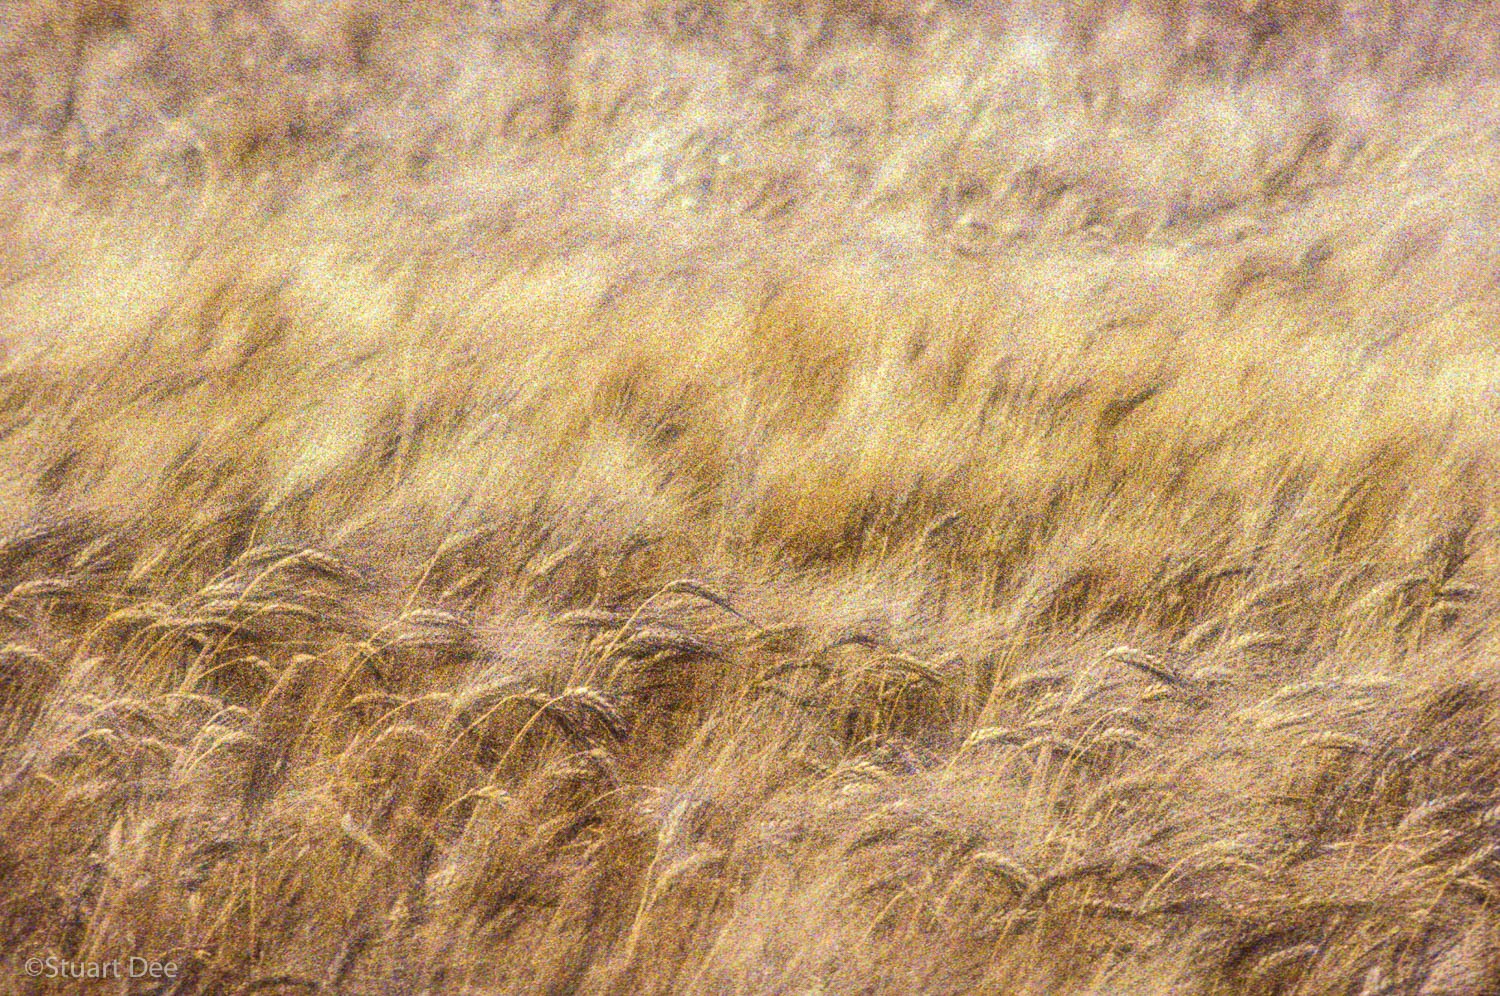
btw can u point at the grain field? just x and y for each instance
(750, 497)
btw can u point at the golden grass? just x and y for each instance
(745, 497)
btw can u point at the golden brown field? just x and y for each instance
(798, 497)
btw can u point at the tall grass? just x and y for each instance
(749, 497)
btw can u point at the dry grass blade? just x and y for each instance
(1434, 810)
(1103, 909)
(492, 794)
(921, 670)
(1044, 885)
(362, 838)
(259, 558)
(369, 704)
(429, 629)
(597, 704)
(1008, 870)
(660, 639)
(17, 658)
(1485, 855)
(326, 565)
(233, 612)
(403, 738)
(688, 586)
(1117, 736)
(44, 588)
(870, 639)
(1278, 961)
(593, 620)
(1150, 664)
(548, 566)
(1344, 742)
(781, 670)
(1036, 682)
(1251, 642)
(994, 736)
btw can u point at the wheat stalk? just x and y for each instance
(1152, 665)
(1015, 875)
(1278, 961)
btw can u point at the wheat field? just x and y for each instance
(796, 497)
